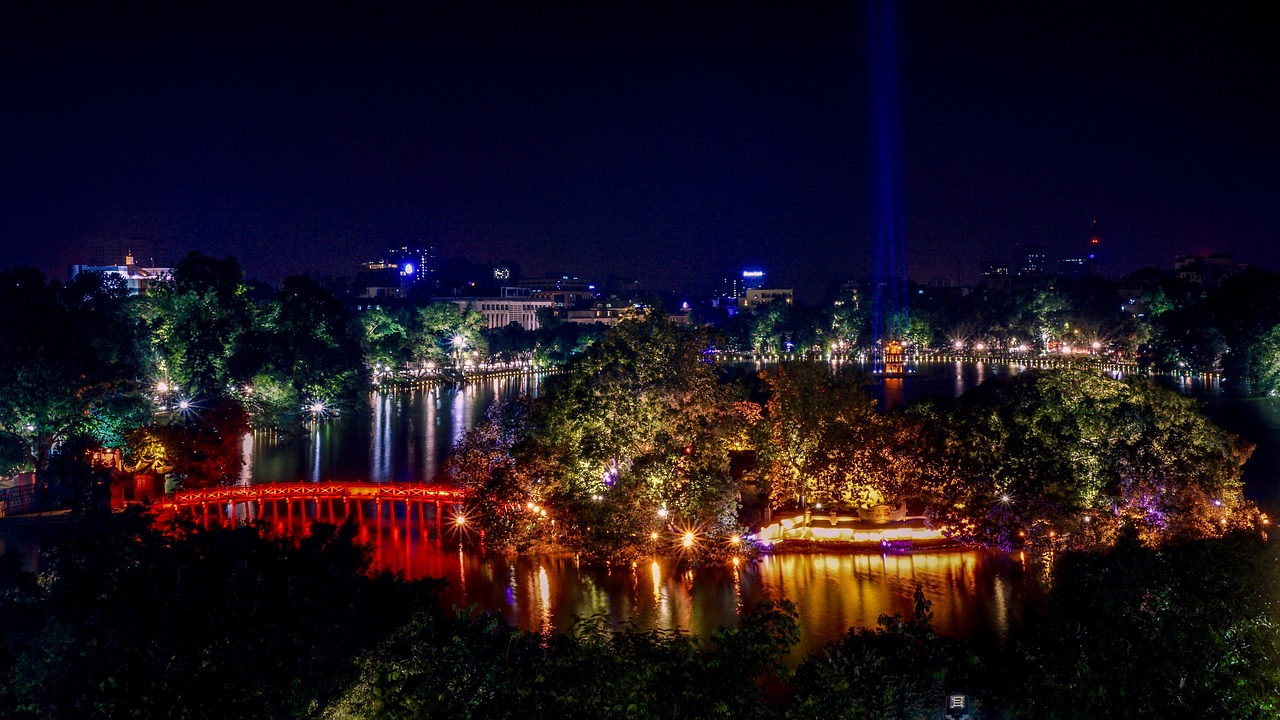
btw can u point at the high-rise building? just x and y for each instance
(416, 263)
(1032, 260)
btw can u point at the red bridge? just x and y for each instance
(252, 502)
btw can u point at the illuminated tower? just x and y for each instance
(1093, 263)
(888, 257)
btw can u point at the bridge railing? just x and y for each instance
(354, 491)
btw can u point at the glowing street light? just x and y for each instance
(688, 539)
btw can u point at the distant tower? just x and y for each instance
(889, 253)
(1093, 264)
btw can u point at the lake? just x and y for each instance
(405, 435)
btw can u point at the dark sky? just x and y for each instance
(662, 142)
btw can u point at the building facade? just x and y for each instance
(502, 311)
(137, 279)
(755, 297)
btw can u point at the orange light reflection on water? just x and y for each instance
(974, 594)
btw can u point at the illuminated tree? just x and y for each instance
(1070, 456)
(201, 448)
(205, 312)
(71, 365)
(313, 341)
(825, 443)
(384, 338)
(638, 424)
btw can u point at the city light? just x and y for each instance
(688, 539)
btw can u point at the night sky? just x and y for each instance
(661, 142)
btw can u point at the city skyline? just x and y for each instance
(668, 144)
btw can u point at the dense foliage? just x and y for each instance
(415, 341)
(1070, 456)
(70, 366)
(132, 619)
(628, 449)
(1060, 458)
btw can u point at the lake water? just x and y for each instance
(406, 435)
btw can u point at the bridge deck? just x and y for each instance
(358, 491)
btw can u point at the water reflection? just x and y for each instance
(399, 436)
(976, 595)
